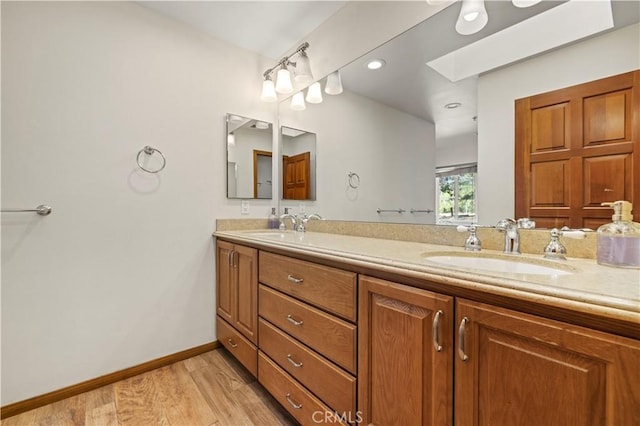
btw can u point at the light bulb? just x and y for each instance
(334, 84)
(314, 93)
(473, 17)
(303, 69)
(297, 102)
(525, 3)
(268, 91)
(283, 81)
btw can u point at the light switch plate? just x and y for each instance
(244, 208)
(301, 208)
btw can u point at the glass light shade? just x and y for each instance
(231, 139)
(297, 102)
(314, 93)
(473, 17)
(303, 69)
(525, 3)
(283, 81)
(268, 91)
(334, 84)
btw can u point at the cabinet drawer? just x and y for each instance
(325, 380)
(303, 406)
(328, 335)
(328, 288)
(238, 345)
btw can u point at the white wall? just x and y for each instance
(461, 149)
(610, 54)
(391, 151)
(122, 271)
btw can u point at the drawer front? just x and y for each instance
(238, 345)
(328, 288)
(328, 335)
(328, 382)
(303, 406)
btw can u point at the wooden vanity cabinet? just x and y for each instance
(237, 301)
(405, 355)
(524, 370)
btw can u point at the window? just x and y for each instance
(456, 194)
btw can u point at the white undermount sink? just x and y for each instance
(502, 265)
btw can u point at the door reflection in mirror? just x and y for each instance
(249, 159)
(298, 164)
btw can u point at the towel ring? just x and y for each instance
(354, 180)
(149, 151)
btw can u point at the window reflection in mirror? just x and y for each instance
(456, 194)
(249, 162)
(298, 164)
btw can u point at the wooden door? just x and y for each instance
(246, 298)
(402, 378)
(297, 176)
(576, 148)
(525, 370)
(225, 288)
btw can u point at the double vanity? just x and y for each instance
(350, 329)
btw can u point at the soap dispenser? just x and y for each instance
(274, 221)
(619, 241)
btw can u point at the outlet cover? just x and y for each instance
(244, 208)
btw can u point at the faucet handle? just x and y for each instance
(526, 223)
(472, 243)
(555, 249)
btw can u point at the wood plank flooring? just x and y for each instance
(211, 389)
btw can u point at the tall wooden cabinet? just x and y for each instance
(576, 148)
(237, 301)
(405, 355)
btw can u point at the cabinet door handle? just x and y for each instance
(230, 258)
(293, 321)
(436, 331)
(293, 404)
(234, 258)
(233, 345)
(294, 279)
(462, 338)
(295, 364)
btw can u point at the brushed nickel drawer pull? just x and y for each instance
(436, 331)
(294, 279)
(461, 339)
(233, 345)
(293, 321)
(295, 364)
(293, 404)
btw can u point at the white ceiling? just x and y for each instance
(273, 28)
(269, 28)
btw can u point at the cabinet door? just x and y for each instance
(225, 281)
(245, 265)
(402, 378)
(526, 370)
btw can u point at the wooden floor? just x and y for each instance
(209, 389)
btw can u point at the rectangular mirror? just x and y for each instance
(298, 164)
(249, 158)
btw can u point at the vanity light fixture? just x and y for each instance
(284, 85)
(261, 125)
(524, 3)
(334, 84)
(376, 64)
(314, 93)
(297, 102)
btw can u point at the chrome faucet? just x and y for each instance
(555, 249)
(472, 243)
(511, 235)
(294, 222)
(302, 221)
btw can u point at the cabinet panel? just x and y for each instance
(328, 288)
(246, 301)
(330, 336)
(402, 378)
(526, 370)
(607, 118)
(606, 179)
(548, 128)
(550, 184)
(225, 277)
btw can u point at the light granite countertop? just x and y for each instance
(588, 287)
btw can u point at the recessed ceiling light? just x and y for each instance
(376, 64)
(453, 105)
